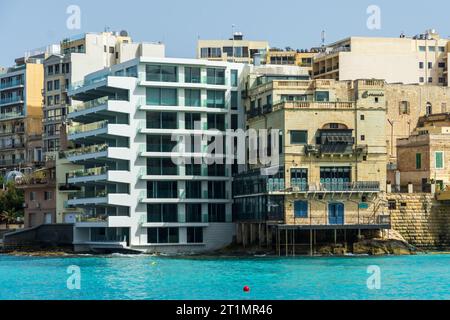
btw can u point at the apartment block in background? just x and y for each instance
(235, 49)
(422, 59)
(132, 193)
(301, 58)
(21, 114)
(81, 55)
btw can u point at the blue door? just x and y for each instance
(336, 213)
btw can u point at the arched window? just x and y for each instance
(429, 109)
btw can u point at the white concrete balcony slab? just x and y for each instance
(183, 109)
(183, 200)
(113, 199)
(174, 224)
(184, 178)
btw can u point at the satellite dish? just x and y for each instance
(15, 176)
(123, 33)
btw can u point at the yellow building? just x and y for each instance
(235, 49)
(21, 115)
(332, 173)
(422, 59)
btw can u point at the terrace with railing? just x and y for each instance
(86, 150)
(82, 128)
(88, 172)
(88, 105)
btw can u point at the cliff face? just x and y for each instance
(421, 220)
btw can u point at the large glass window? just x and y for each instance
(160, 143)
(192, 74)
(335, 178)
(193, 212)
(216, 121)
(162, 189)
(193, 169)
(216, 170)
(162, 235)
(162, 120)
(190, 119)
(216, 190)
(234, 100)
(161, 73)
(322, 96)
(215, 99)
(162, 97)
(194, 235)
(192, 98)
(161, 167)
(193, 189)
(216, 212)
(299, 178)
(166, 212)
(234, 78)
(215, 76)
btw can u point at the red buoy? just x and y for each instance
(246, 289)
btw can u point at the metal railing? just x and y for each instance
(88, 104)
(88, 172)
(88, 127)
(86, 150)
(11, 100)
(14, 83)
(88, 195)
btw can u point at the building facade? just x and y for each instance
(422, 59)
(21, 115)
(133, 194)
(81, 55)
(301, 58)
(423, 157)
(236, 49)
(332, 175)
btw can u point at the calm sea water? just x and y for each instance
(146, 277)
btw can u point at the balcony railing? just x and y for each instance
(278, 185)
(88, 127)
(11, 100)
(86, 150)
(88, 195)
(80, 84)
(88, 172)
(15, 83)
(10, 162)
(88, 104)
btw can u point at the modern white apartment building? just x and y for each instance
(422, 59)
(133, 195)
(80, 55)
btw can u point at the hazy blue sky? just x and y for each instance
(28, 24)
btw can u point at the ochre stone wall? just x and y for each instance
(421, 220)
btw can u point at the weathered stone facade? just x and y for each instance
(421, 220)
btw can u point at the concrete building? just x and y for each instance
(332, 176)
(133, 195)
(21, 114)
(81, 55)
(422, 59)
(423, 157)
(235, 49)
(39, 195)
(301, 58)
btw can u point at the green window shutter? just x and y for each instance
(439, 159)
(418, 161)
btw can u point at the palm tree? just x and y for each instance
(9, 216)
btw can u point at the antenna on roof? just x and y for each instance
(323, 38)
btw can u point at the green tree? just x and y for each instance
(9, 216)
(11, 199)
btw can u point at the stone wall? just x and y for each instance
(421, 220)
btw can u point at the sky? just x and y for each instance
(27, 24)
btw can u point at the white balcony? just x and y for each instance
(99, 174)
(98, 152)
(102, 128)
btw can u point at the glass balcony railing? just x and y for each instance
(11, 115)
(88, 195)
(11, 100)
(86, 82)
(88, 127)
(88, 172)
(88, 105)
(14, 83)
(86, 150)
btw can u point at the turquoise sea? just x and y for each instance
(147, 277)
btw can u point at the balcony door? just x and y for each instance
(336, 213)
